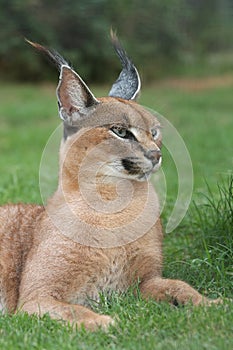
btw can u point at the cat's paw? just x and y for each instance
(218, 301)
(98, 322)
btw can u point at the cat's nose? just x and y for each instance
(154, 155)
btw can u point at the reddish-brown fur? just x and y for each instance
(45, 268)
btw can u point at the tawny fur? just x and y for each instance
(44, 268)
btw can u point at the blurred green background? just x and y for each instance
(164, 37)
(183, 50)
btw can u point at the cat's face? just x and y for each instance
(122, 140)
(111, 137)
(134, 140)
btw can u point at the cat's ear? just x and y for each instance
(75, 100)
(128, 84)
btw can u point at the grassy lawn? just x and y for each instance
(199, 251)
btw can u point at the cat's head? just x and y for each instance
(113, 134)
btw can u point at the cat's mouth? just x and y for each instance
(140, 170)
(145, 176)
(131, 168)
(157, 165)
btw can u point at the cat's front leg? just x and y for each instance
(75, 315)
(173, 291)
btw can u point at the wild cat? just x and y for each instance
(100, 231)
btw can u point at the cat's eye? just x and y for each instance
(155, 133)
(123, 132)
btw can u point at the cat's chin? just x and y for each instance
(144, 177)
(157, 166)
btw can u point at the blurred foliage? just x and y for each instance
(158, 34)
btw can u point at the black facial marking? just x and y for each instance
(131, 166)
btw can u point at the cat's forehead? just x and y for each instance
(128, 113)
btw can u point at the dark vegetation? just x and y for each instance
(163, 37)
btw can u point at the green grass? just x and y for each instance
(141, 326)
(199, 251)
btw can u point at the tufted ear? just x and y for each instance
(128, 84)
(75, 100)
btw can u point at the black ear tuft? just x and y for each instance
(128, 84)
(75, 100)
(53, 55)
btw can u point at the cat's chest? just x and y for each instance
(113, 277)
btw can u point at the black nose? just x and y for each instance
(154, 155)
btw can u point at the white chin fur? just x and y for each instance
(157, 166)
